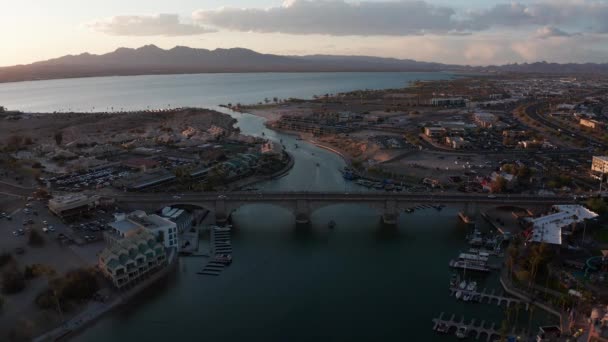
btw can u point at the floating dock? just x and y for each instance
(465, 218)
(220, 245)
(489, 298)
(471, 328)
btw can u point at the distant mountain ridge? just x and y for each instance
(152, 60)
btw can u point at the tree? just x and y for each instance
(58, 137)
(36, 239)
(499, 185)
(597, 204)
(12, 281)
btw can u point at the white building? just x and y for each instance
(548, 228)
(126, 226)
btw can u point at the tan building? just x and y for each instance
(456, 142)
(593, 124)
(485, 120)
(74, 204)
(434, 132)
(129, 260)
(600, 164)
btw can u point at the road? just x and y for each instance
(262, 197)
(532, 112)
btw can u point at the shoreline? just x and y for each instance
(86, 319)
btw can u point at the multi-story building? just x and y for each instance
(485, 120)
(70, 205)
(456, 142)
(590, 123)
(128, 260)
(599, 164)
(434, 132)
(447, 101)
(129, 225)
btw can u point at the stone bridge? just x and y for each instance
(302, 204)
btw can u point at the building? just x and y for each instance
(447, 101)
(434, 132)
(549, 228)
(126, 226)
(183, 218)
(530, 144)
(456, 142)
(600, 164)
(485, 120)
(71, 205)
(590, 123)
(129, 260)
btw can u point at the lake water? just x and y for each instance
(361, 281)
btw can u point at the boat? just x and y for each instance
(222, 229)
(225, 259)
(409, 210)
(318, 164)
(461, 332)
(389, 187)
(475, 262)
(462, 285)
(454, 280)
(472, 286)
(331, 224)
(442, 328)
(296, 145)
(378, 186)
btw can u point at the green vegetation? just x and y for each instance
(597, 204)
(74, 287)
(498, 185)
(36, 270)
(6, 258)
(601, 235)
(35, 239)
(12, 281)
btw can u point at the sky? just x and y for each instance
(474, 32)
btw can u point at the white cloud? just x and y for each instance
(582, 15)
(547, 32)
(153, 25)
(337, 17)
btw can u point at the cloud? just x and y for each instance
(338, 18)
(153, 25)
(583, 15)
(547, 32)
(407, 17)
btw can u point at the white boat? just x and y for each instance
(458, 294)
(472, 287)
(462, 285)
(222, 229)
(461, 332)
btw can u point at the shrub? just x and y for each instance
(12, 281)
(5, 259)
(36, 239)
(36, 270)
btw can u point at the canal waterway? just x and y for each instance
(360, 281)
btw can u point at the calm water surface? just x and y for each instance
(359, 282)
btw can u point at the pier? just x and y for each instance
(489, 298)
(220, 246)
(471, 327)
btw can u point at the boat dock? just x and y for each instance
(465, 218)
(220, 245)
(489, 298)
(471, 328)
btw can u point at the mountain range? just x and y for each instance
(152, 60)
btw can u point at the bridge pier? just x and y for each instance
(302, 212)
(221, 216)
(390, 215)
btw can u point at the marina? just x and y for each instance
(221, 251)
(487, 297)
